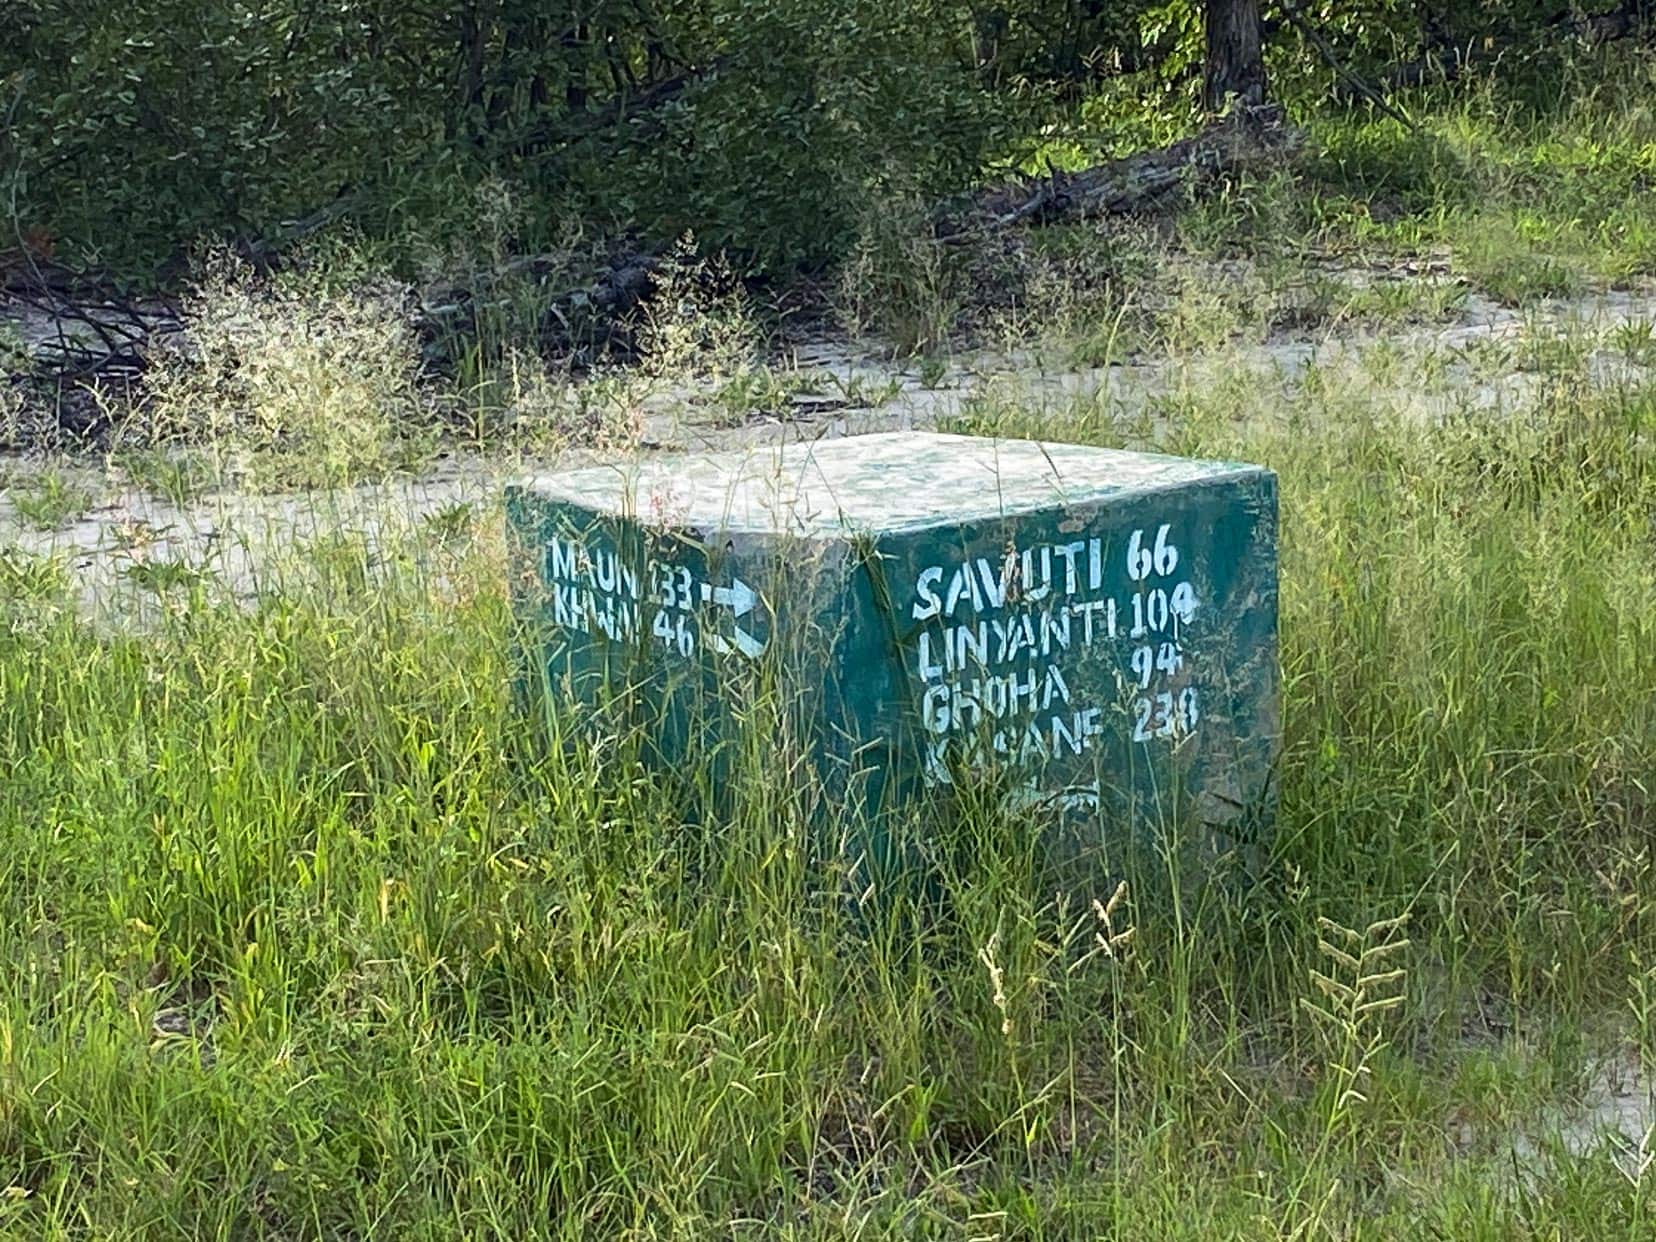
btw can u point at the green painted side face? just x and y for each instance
(1092, 631)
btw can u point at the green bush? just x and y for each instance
(138, 127)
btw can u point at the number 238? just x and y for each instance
(1165, 714)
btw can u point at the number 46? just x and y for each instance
(673, 631)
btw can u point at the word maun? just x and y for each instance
(1089, 635)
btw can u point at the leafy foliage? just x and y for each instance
(135, 129)
(140, 125)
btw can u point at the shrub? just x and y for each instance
(290, 381)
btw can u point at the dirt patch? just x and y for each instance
(1488, 358)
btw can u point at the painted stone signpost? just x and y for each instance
(1093, 631)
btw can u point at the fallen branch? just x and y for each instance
(1246, 139)
(579, 318)
(545, 139)
(78, 328)
(1342, 70)
(263, 252)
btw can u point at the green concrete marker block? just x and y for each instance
(1095, 631)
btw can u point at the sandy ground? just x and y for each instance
(1477, 361)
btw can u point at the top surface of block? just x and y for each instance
(871, 483)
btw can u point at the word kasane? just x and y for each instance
(1096, 627)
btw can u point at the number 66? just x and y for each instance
(1163, 559)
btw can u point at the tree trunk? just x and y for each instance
(1235, 63)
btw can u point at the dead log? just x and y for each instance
(1245, 140)
(582, 316)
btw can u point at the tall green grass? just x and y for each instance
(1536, 184)
(309, 932)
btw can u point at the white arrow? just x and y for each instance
(739, 597)
(744, 642)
